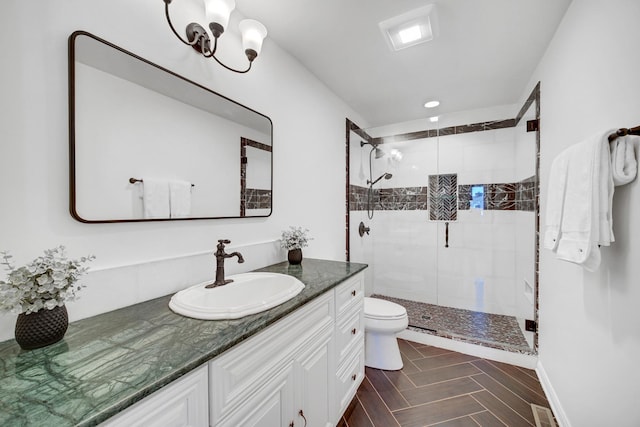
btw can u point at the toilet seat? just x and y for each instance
(380, 309)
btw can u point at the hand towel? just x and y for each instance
(579, 203)
(180, 198)
(624, 166)
(155, 196)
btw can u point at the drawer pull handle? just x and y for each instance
(291, 424)
(353, 377)
(353, 331)
(353, 293)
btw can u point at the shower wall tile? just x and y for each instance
(257, 199)
(443, 197)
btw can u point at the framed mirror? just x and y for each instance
(146, 144)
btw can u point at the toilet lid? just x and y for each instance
(375, 308)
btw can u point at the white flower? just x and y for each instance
(44, 283)
(295, 238)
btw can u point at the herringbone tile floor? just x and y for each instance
(444, 388)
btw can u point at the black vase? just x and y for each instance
(295, 256)
(42, 328)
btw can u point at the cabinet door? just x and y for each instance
(183, 403)
(270, 406)
(315, 386)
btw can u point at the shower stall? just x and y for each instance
(451, 232)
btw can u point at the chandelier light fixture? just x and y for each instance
(218, 12)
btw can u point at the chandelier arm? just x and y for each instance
(166, 12)
(231, 69)
(212, 51)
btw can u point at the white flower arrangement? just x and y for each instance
(295, 238)
(44, 283)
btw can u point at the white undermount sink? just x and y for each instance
(249, 293)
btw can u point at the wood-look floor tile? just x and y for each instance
(458, 422)
(409, 367)
(374, 406)
(529, 372)
(439, 391)
(408, 350)
(358, 417)
(487, 419)
(436, 412)
(445, 389)
(433, 376)
(500, 410)
(522, 391)
(385, 388)
(400, 380)
(442, 360)
(506, 396)
(531, 382)
(428, 351)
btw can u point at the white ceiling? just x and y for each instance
(484, 55)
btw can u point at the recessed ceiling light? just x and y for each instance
(410, 34)
(431, 104)
(434, 119)
(411, 28)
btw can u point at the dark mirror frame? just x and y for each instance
(72, 136)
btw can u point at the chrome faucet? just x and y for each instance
(220, 256)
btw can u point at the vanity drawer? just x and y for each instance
(349, 378)
(349, 294)
(349, 331)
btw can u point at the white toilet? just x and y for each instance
(382, 321)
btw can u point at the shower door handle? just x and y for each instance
(446, 234)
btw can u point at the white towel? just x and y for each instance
(624, 166)
(180, 198)
(579, 202)
(155, 196)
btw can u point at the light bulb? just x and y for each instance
(218, 11)
(253, 33)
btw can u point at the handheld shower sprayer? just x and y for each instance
(384, 175)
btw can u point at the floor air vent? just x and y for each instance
(543, 416)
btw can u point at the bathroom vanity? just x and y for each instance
(297, 364)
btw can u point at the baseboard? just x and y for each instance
(528, 361)
(552, 397)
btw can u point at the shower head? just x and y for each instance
(384, 175)
(379, 152)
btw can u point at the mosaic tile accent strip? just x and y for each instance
(443, 197)
(518, 196)
(251, 198)
(451, 130)
(388, 199)
(490, 330)
(256, 198)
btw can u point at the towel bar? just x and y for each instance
(136, 180)
(624, 131)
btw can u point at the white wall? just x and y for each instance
(308, 145)
(590, 322)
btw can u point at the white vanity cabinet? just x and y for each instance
(302, 371)
(269, 378)
(183, 403)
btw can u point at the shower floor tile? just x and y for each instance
(489, 330)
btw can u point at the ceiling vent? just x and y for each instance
(410, 28)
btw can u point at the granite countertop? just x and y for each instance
(108, 362)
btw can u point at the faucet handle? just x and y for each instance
(225, 241)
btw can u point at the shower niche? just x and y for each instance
(453, 236)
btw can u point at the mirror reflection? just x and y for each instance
(148, 144)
